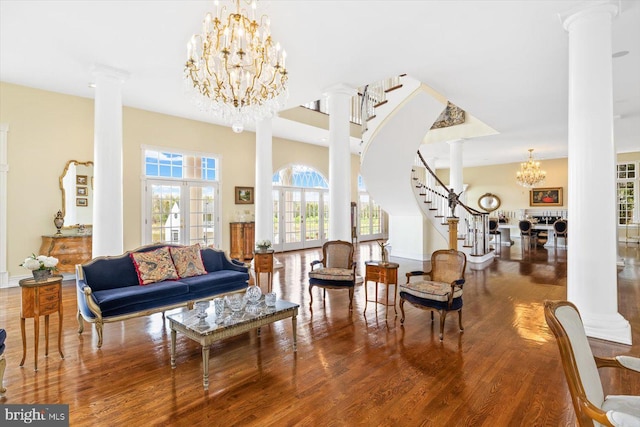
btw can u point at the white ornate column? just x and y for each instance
(263, 186)
(591, 262)
(339, 101)
(4, 171)
(455, 166)
(108, 228)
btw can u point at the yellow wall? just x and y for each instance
(500, 180)
(47, 129)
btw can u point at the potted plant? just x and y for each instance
(41, 266)
(263, 245)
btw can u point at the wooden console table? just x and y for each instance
(379, 272)
(40, 299)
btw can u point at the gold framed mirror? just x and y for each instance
(76, 187)
(489, 202)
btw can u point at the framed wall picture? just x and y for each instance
(81, 180)
(81, 191)
(244, 195)
(81, 201)
(551, 196)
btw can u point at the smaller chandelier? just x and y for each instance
(236, 70)
(530, 173)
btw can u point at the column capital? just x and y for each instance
(339, 89)
(456, 141)
(98, 70)
(588, 9)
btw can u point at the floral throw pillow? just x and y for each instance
(188, 260)
(154, 266)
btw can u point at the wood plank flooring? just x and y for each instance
(350, 368)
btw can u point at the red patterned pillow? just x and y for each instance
(154, 266)
(188, 261)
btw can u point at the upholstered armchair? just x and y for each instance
(3, 362)
(336, 269)
(581, 371)
(439, 289)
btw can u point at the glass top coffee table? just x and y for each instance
(208, 330)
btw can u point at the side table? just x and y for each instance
(263, 263)
(381, 272)
(40, 299)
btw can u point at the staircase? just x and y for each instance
(408, 187)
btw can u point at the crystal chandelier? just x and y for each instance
(530, 174)
(236, 70)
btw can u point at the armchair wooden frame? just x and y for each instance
(326, 261)
(586, 411)
(446, 264)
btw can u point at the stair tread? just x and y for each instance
(393, 88)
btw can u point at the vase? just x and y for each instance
(58, 221)
(41, 275)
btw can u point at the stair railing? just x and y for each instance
(364, 103)
(476, 224)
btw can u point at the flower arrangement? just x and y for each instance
(40, 262)
(263, 245)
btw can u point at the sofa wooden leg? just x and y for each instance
(310, 296)
(99, 331)
(402, 310)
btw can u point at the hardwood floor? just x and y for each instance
(350, 368)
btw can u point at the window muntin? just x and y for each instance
(174, 165)
(627, 188)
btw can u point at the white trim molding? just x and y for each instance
(4, 171)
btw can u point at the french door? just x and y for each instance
(182, 212)
(299, 219)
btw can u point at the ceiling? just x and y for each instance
(505, 62)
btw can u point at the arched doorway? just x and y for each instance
(300, 208)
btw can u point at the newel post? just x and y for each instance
(453, 233)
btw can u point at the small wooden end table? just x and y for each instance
(381, 272)
(263, 263)
(40, 299)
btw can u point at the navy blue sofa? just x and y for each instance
(108, 289)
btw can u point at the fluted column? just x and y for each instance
(591, 261)
(108, 228)
(339, 100)
(263, 186)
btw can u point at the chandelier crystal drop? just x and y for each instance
(235, 68)
(530, 173)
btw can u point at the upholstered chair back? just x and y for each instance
(338, 254)
(447, 266)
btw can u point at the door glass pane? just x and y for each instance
(365, 215)
(292, 204)
(165, 213)
(312, 215)
(201, 215)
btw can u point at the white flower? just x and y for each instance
(40, 262)
(264, 244)
(50, 262)
(31, 264)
